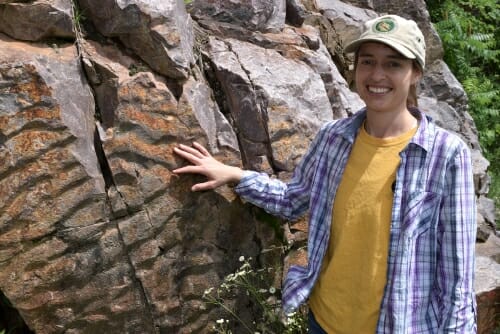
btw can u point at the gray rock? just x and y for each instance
(486, 207)
(54, 208)
(347, 20)
(97, 234)
(285, 101)
(259, 15)
(37, 20)
(295, 12)
(159, 32)
(486, 284)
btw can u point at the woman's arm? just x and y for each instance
(292, 199)
(287, 200)
(457, 239)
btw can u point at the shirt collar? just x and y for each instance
(425, 131)
(421, 138)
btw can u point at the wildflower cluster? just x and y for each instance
(253, 283)
(222, 326)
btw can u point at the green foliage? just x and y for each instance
(254, 284)
(77, 21)
(469, 31)
(78, 15)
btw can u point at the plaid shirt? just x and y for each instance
(430, 272)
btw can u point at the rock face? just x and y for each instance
(487, 284)
(158, 31)
(40, 20)
(259, 15)
(97, 235)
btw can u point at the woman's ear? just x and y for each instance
(416, 74)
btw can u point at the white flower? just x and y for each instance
(272, 290)
(220, 321)
(242, 258)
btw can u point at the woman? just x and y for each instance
(391, 203)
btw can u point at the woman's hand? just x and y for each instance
(203, 163)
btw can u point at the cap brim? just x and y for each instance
(354, 45)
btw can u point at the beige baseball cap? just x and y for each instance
(395, 31)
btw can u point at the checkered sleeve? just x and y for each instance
(457, 237)
(287, 200)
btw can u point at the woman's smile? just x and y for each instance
(378, 90)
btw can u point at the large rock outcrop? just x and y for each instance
(97, 235)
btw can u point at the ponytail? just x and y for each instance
(411, 100)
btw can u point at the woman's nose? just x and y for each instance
(378, 72)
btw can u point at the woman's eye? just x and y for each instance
(366, 62)
(394, 64)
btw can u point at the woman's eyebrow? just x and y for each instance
(365, 54)
(392, 56)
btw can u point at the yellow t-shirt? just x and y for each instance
(346, 299)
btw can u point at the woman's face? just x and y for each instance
(383, 77)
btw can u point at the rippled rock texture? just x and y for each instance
(97, 235)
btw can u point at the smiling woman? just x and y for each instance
(391, 202)
(383, 79)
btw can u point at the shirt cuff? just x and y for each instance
(248, 175)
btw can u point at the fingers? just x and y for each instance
(197, 150)
(189, 170)
(205, 186)
(195, 156)
(201, 163)
(201, 149)
(188, 156)
(187, 152)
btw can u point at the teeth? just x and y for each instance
(378, 90)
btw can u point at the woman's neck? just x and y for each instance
(386, 125)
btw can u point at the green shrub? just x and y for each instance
(469, 31)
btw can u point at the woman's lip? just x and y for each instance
(378, 90)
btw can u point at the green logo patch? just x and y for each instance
(385, 25)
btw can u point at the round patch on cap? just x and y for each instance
(384, 25)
